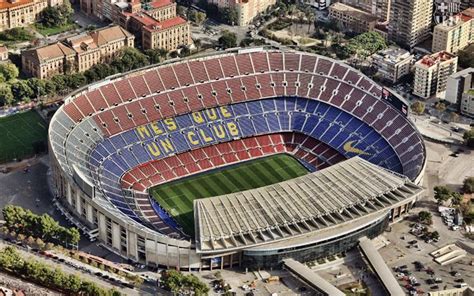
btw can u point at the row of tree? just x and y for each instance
(443, 193)
(24, 222)
(16, 90)
(227, 15)
(469, 138)
(32, 270)
(182, 284)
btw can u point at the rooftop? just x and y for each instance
(355, 12)
(160, 3)
(5, 4)
(152, 24)
(48, 52)
(106, 35)
(394, 54)
(435, 58)
(341, 193)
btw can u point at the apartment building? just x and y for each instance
(410, 21)
(155, 24)
(467, 103)
(247, 10)
(21, 13)
(76, 54)
(432, 72)
(393, 63)
(351, 18)
(379, 8)
(454, 34)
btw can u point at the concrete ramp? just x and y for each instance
(311, 278)
(380, 268)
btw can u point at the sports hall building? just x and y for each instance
(114, 140)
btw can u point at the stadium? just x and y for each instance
(242, 157)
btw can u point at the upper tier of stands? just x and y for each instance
(95, 134)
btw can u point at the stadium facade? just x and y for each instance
(114, 140)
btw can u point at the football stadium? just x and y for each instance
(245, 157)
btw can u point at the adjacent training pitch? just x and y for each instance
(23, 135)
(177, 197)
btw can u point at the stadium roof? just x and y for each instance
(341, 193)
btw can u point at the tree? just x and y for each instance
(21, 90)
(440, 106)
(129, 58)
(75, 81)
(16, 34)
(310, 16)
(185, 51)
(468, 185)
(73, 236)
(230, 15)
(424, 217)
(197, 43)
(435, 235)
(30, 240)
(466, 57)
(228, 39)
(456, 198)
(197, 17)
(40, 243)
(442, 193)
(55, 16)
(366, 44)
(8, 71)
(179, 283)
(468, 137)
(6, 95)
(418, 107)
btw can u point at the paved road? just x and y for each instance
(71, 270)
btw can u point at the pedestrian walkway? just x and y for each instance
(380, 267)
(311, 278)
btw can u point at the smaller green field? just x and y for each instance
(48, 31)
(177, 197)
(22, 135)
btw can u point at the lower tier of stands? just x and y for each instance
(313, 154)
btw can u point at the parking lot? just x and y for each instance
(408, 257)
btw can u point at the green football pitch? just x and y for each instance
(22, 135)
(177, 197)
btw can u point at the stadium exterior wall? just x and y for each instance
(314, 250)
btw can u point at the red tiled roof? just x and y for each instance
(154, 25)
(435, 58)
(6, 4)
(160, 3)
(177, 20)
(145, 19)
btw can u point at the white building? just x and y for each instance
(393, 63)
(458, 84)
(318, 4)
(432, 72)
